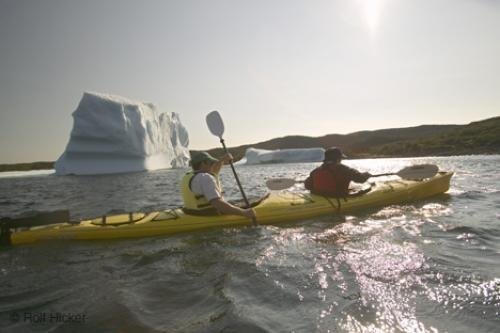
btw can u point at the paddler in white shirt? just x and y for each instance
(201, 188)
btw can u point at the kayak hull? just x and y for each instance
(275, 208)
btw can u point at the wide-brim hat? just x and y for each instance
(199, 157)
(333, 154)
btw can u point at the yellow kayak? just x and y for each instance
(275, 208)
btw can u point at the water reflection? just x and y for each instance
(422, 267)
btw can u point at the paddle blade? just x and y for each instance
(418, 172)
(215, 124)
(278, 184)
(41, 219)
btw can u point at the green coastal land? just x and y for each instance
(480, 137)
(476, 138)
(27, 166)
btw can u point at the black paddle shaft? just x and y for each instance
(235, 175)
(385, 174)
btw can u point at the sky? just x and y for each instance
(270, 67)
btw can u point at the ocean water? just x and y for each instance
(429, 266)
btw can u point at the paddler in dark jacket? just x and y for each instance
(201, 189)
(332, 178)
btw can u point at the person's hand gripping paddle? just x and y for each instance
(216, 127)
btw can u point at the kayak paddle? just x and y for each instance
(216, 127)
(414, 172)
(41, 219)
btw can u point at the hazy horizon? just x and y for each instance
(215, 146)
(271, 68)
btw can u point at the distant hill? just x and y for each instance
(481, 137)
(27, 166)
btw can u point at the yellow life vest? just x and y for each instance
(193, 201)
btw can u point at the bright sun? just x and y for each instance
(371, 12)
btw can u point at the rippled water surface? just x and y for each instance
(430, 266)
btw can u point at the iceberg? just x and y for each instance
(262, 156)
(112, 134)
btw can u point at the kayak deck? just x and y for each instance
(277, 207)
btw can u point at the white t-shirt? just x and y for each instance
(205, 184)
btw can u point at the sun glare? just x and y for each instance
(371, 10)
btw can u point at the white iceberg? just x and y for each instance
(262, 156)
(112, 134)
